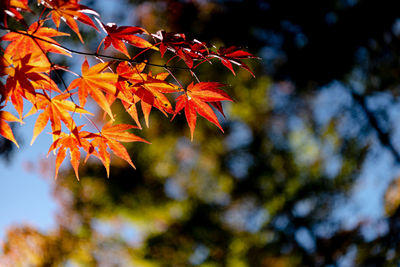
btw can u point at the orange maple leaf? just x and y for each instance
(36, 38)
(136, 86)
(5, 129)
(93, 81)
(55, 110)
(111, 136)
(74, 142)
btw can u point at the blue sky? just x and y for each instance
(25, 195)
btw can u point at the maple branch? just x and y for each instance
(59, 77)
(64, 84)
(42, 13)
(92, 122)
(141, 52)
(104, 87)
(72, 51)
(173, 76)
(195, 76)
(201, 62)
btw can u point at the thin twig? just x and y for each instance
(72, 51)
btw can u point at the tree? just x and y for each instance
(31, 75)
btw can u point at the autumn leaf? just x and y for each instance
(34, 61)
(23, 80)
(196, 101)
(28, 75)
(94, 81)
(187, 50)
(70, 11)
(176, 43)
(5, 129)
(111, 136)
(12, 9)
(136, 85)
(55, 110)
(131, 109)
(118, 36)
(73, 142)
(233, 55)
(36, 38)
(96, 144)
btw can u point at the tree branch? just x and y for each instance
(72, 51)
(383, 137)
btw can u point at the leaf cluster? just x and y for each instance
(26, 71)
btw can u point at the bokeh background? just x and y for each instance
(306, 174)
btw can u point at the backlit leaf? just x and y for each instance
(196, 100)
(94, 82)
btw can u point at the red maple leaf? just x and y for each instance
(176, 43)
(233, 55)
(195, 99)
(12, 9)
(118, 36)
(23, 80)
(70, 12)
(187, 50)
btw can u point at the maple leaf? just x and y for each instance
(93, 81)
(74, 142)
(187, 50)
(12, 8)
(55, 110)
(36, 38)
(35, 61)
(5, 129)
(136, 86)
(198, 51)
(170, 41)
(195, 99)
(111, 136)
(233, 55)
(26, 68)
(176, 43)
(130, 108)
(23, 79)
(116, 36)
(70, 11)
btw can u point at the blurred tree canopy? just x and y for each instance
(321, 115)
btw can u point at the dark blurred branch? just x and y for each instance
(383, 137)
